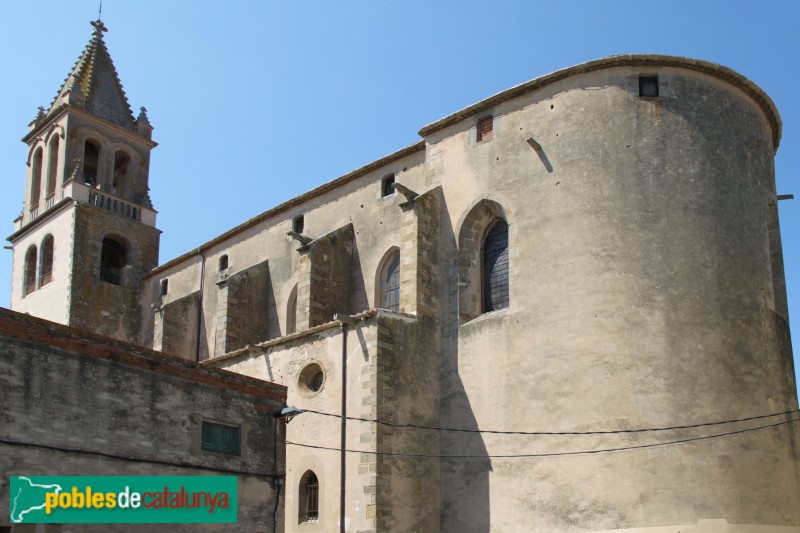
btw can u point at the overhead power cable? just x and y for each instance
(550, 454)
(598, 432)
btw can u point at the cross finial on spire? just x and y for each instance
(99, 27)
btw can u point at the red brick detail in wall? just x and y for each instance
(38, 331)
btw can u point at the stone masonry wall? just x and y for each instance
(324, 287)
(80, 404)
(246, 309)
(105, 308)
(177, 323)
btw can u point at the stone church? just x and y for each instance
(563, 309)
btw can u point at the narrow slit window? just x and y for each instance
(164, 287)
(223, 263)
(299, 224)
(485, 128)
(387, 185)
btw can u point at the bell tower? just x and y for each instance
(87, 233)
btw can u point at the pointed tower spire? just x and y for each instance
(94, 84)
(88, 223)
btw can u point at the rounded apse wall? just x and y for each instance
(646, 290)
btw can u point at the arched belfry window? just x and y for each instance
(120, 178)
(29, 280)
(46, 261)
(495, 267)
(36, 178)
(52, 167)
(390, 283)
(91, 161)
(113, 258)
(309, 498)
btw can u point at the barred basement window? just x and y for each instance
(220, 438)
(495, 267)
(485, 128)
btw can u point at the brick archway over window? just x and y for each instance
(484, 216)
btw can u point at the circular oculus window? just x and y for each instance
(312, 378)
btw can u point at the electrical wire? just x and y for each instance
(539, 433)
(550, 454)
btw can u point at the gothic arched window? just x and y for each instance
(29, 279)
(390, 283)
(52, 167)
(91, 161)
(495, 267)
(309, 497)
(46, 261)
(113, 259)
(36, 178)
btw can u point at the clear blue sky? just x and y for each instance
(257, 101)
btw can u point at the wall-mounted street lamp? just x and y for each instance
(288, 413)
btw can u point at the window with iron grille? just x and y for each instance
(391, 284)
(485, 128)
(309, 498)
(495, 267)
(46, 261)
(29, 281)
(220, 438)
